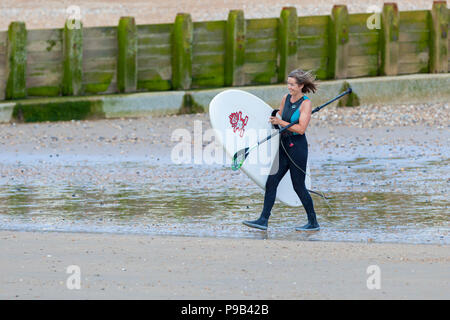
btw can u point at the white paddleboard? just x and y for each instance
(240, 120)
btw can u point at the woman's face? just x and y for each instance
(293, 87)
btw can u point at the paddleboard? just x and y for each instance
(240, 120)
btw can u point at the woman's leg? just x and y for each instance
(299, 153)
(272, 184)
(271, 192)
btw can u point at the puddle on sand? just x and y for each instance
(370, 200)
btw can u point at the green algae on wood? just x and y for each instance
(287, 42)
(44, 91)
(54, 110)
(389, 39)
(73, 58)
(349, 100)
(189, 105)
(127, 55)
(338, 43)
(439, 37)
(182, 39)
(16, 61)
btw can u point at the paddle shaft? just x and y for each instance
(349, 90)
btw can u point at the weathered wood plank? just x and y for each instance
(357, 23)
(260, 56)
(260, 67)
(210, 47)
(321, 21)
(162, 39)
(44, 46)
(369, 61)
(49, 66)
(361, 71)
(106, 64)
(389, 40)
(312, 63)
(257, 24)
(261, 78)
(44, 34)
(209, 37)
(127, 55)
(414, 36)
(45, 79)
(414, 26)
(96, 88)
(419, 58)
(414, 20)
(312, 41)
(411, 68)
(100, 32)
(305, 53)
(97, 77)
(182, 52)
(92, 62)
(208, 59)
(339, 42)
(262, 34)
(3, 38)
(100, 53)
(414, 47)
(235, 47)
(208, 82)
(37, 57)
(363, 39)
(305, 31)
(159, 73)
(99, 43)
(313, 26)
(255, 45)
(154, 29)
(163, 51)
(210, 26)
(357, 50)
(439, 37)
(207, 71)
(154, 61)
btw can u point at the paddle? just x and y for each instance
(240, 156)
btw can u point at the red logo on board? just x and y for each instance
(238, 122)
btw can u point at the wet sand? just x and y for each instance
(34, 266)
(385, 169)
(128, 266)
(151, 266)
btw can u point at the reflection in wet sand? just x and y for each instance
(368, 201)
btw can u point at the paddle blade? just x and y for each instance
(238, 159)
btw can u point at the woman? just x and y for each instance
(295, 107)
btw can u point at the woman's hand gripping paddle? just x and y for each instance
(240, 156)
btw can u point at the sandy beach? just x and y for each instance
(106, 198)
(34, 266)
(56, 176)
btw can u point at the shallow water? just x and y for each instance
(378, 199)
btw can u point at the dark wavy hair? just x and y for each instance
(306, 78)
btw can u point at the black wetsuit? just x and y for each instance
(297, 147)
